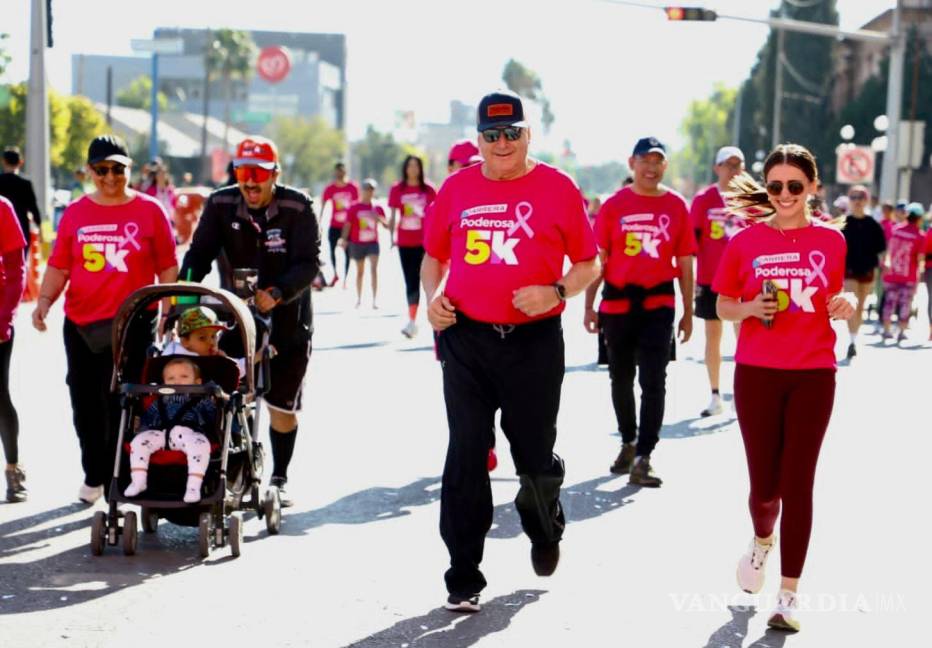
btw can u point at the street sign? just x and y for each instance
(855, 165)
(158, 45)
(274, 64)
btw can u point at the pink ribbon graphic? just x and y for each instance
(523, 211)
(664, 227)
(130, 230)
(816, 268)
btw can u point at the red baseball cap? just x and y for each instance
(256, 151)
(464, 152)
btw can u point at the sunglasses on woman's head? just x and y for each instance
(102, 170)
(795, 187)
(254, 173)
(512, 134)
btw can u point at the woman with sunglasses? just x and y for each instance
(782, 280)
(110, 243)
(408, 199)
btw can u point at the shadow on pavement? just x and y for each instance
(11, 544)
(582, 501)
(415, 349)
(733, 633)
(443, 629)
(370, 505)
(698, 426)
(352, 347)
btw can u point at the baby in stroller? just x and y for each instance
(177, 421)
(199, 331)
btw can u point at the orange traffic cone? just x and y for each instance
(31, 293)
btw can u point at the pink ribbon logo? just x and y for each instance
(523, 211)
(130, 230)
(663, 229)
(817, 268)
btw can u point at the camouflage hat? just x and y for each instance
(199, 317)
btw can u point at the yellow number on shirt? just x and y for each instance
(94, 260)
(632, 244)
(716, 230)
(477, 250)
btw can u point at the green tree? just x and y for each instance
(84, 124)
(526, 83)
(138, 94)
(601, 178)
(4, 54)
(230, 55)
(308, 148)
(377, 155)
(704, 129)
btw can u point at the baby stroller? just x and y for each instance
(234, 473)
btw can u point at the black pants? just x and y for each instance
(95, 411)
(519, 371)
(411, 258)
(9, 421)
(333, 235)
(640, 342)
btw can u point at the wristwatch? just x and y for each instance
(275, 293)
(561, 290)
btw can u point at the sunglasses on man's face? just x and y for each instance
(102, 170)
(255, 173)
(795, 187)
(512, 134)
(857, 196)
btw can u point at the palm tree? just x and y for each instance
(229, 54)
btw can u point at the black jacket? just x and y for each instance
(285, 250)
(866, 241)
(18, 190)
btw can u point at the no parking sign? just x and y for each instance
(855, 165)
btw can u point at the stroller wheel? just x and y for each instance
(150, 519)
(130, 533)
(98, 532)
(203, 535)
(255, 501)
(272, 507)
(236, 533)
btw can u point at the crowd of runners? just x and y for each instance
(497, 250)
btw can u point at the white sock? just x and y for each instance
(854, 338)
(138, 483)
(193, 491)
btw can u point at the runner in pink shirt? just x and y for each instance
(782, 280)
(928, 277)
(645, 243)
(905, 252)
(12, 281)
(496, 241)
(409, 200)
(713, 226)
(360, 238)
(340, 194)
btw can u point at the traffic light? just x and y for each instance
(690, 13)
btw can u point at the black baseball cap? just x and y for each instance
(647, 145)
(108, 148)
(500, 109)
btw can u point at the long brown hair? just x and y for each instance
(749, 199)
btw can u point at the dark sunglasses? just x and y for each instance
(102, 170)
(795, 187)
(254, 173)
(857, 196)
(512, 134)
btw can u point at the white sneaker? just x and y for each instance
(715, 407)
(466, 604)
(90, 494)
(784, 615)
(410, 330)
(752, 565)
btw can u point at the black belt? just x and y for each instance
(505, 330)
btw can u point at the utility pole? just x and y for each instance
(37, 113)
(889, 177)
(778, 88)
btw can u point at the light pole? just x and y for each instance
(889, 180)
(37, 115)
(156, 47)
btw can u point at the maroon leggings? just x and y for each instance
(783, 415)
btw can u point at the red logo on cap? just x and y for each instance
(501, 110)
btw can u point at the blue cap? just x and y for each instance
(901, 204)
(647, 145)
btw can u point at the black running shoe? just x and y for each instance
(545, 557)
(852, 351)
(468, 604)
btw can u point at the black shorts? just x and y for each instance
(359, 251)
(859, 277)
(705, 302)
(288, 368)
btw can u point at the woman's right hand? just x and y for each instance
(591, 321)
(40, 313)
(761, 307)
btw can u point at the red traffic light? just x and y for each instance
(690, 13)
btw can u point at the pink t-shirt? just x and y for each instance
(808, 267)
(11, 234)
(715, 226)
(642, 236)
(12, 267)
(903, 249)
(110, 251)
(412, 202)
(500, 236)
(929, 250)
(341, 199)
(888, 226)
(363, 220)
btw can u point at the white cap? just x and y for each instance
(728, 152)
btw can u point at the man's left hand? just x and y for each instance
(264, 301)
(535, 300)
(686, 328)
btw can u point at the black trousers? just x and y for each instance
(639, 342)
(9, 421)
(520, 371)
(95, 411)
(333, 236)
(411, 258)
